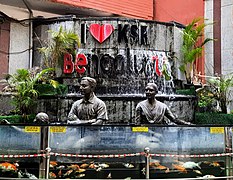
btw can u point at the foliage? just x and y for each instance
(192, 47)
(221, 90)
(206, 102)
(216, 90)
(13, 119)
(61, 42)
(23, 84)
(213, 119)
(49, 90)
(190, 91)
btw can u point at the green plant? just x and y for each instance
(213, 118)
(192, 47)
(221, 90)
(61, 42)
(23, 84)
(205, 98)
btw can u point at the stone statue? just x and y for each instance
(90, 109)
(152, 111)
(41, 118)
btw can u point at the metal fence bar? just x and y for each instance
(44, 163)
(228, 149)
(147, 155)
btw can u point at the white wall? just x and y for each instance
(227, 36)
(19, 36)
(19, 47)
(209, 56)
(227, 41)
(178, 34)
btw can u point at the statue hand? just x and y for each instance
(74, 122)
(92, 121)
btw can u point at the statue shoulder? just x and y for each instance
(161, 104)
(142, 103)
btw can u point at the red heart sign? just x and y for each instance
(101, 33)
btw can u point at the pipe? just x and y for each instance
(147, 154)
(228, 149)
(44, 146)
(30, 33)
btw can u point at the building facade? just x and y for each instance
(17, 17)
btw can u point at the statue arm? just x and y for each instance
(101, 114)
(174, 119)
(73, 119)
(138, 116)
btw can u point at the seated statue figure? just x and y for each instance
(90, 109)
(152, 111)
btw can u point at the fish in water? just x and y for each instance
(80, 175)
(73, 166)
(197, 171)
(99, 169)
(215, 164)
(52, 175)
(208, 176)
(93, 166)
(128, 165)
(85, 165)
(103, 165)
(80, 170)
(59, 174)
(157, 165)
(60, 167)
(179, 168)
(8, 166)
(109, 176)
(52, 164)
(191, 165)
(128, 178)
(68, 172)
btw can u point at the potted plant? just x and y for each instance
(192, 47)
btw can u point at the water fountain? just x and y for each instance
(134, 53)
(122, 60)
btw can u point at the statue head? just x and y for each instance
(42, 118)
(154, 86)
(151, 90)
(87, 85)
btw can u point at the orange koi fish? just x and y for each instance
(179, 168)
(8, 166)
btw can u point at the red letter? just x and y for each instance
(81, 61)
(68, 66)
